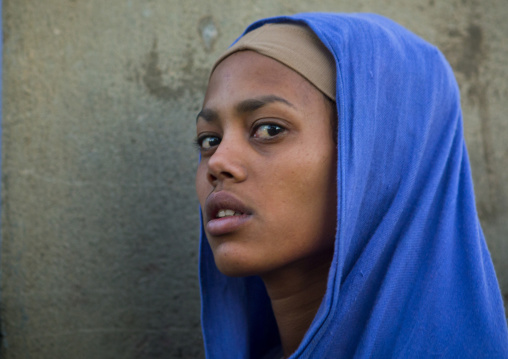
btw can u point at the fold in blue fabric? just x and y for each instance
(411, 275)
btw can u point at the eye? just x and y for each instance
(267, 131)
(206, 142)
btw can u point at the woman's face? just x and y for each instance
(267, 177)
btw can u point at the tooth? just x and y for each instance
(227, 213)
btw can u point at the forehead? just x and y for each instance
(247, 74)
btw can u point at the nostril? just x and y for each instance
(211, 178)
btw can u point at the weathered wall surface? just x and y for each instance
(100, 221)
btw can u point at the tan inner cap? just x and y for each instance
(295, 46)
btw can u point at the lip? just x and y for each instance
(224, 200)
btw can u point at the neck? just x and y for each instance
(296, 293)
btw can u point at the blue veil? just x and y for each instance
(411, 275)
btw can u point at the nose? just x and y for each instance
(227, 163)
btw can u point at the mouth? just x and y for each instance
(224, 213)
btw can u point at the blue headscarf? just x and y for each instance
(411, 275)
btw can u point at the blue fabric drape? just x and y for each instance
(411, 275)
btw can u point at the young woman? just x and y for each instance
(338, 216)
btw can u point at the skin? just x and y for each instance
(265, 139)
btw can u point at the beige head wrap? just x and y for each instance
(295, 46)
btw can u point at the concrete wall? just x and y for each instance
(100, 220)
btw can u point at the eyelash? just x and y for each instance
(198, 142)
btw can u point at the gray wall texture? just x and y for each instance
(100, 221)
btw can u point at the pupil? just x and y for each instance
(272, 130)
(210, 142)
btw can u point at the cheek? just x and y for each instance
(303, 187)
(306, 174)
(203, 187)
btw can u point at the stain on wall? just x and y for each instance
(208, 32)
(100, 219)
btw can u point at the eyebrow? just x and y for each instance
(245, 106)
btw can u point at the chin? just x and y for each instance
(235, 268)
(233, 264)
